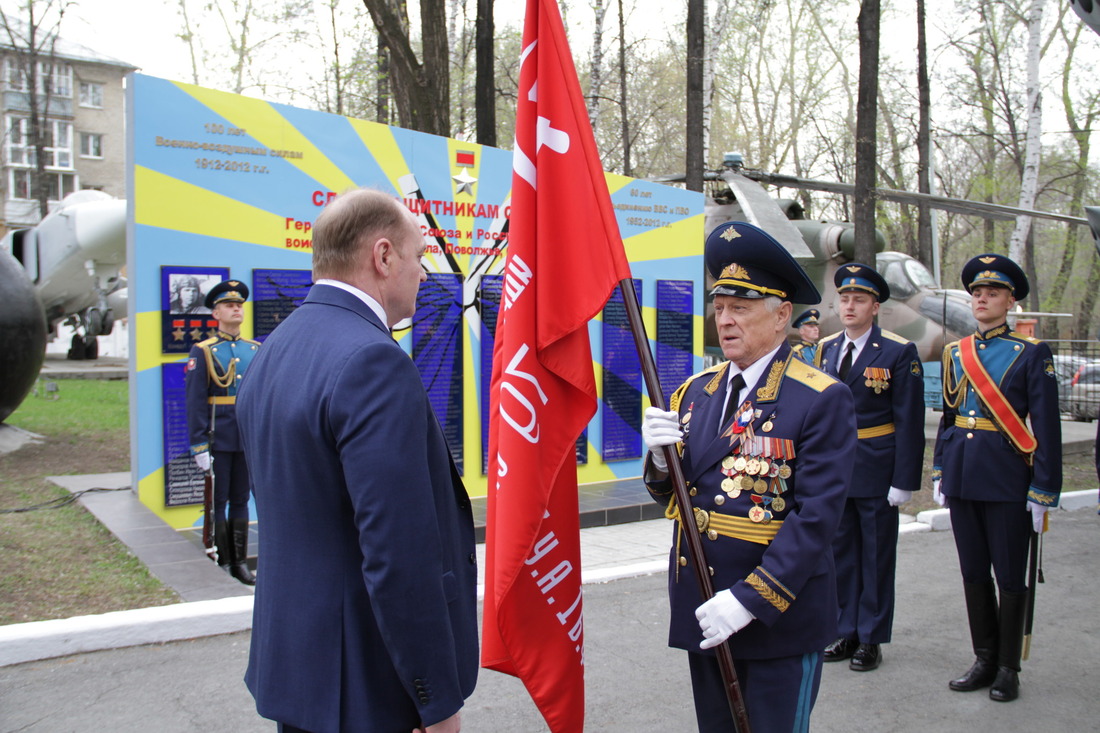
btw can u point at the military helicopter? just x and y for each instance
(68, 269)
(919, 309)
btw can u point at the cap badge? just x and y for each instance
(987, 260)
(730, 234)
(735, 271)
(853, 268)
(852, 281)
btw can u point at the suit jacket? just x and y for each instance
(366, 610)
(895, 458)
(210, 359)
(788, 584)
(982, 465)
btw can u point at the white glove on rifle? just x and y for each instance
(660, 428)
(1037, 512)
(937, 494)
(897, 497)
(202, 460)
(720, 618)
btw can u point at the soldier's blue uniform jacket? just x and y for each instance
(973, 459)
(781, 570)
(887, 384)
(214, 372)
(805, 351)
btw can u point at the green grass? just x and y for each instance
(56, 563)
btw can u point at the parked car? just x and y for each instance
(1065, 367)
(1081, 400)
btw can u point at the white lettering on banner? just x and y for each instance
(517, 276)
(556, 140)
(571, 618)
(530, 431)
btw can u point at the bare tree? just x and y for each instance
(924, 145)
(33, 40)
(696, 29)
(421, 87)
(485, 76)
(863, 204)
(624, 112)
(595, 64)
(1029, 180)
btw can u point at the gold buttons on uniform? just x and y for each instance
(969, 436)
(971, 423)
(683, 561)
(712, 535)
(693, 492)
(720, 499)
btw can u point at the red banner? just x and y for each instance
(565, 256)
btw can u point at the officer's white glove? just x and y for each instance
(660, 428)
(937, 494)
(897, 497)
(1037, 512)
(202, 460)
(720, 618)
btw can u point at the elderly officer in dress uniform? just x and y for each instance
(809, 331)
(214, 374)
(884, 373)
(997, 476)
(767, 444)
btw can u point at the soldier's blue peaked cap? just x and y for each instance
(747, 262)
(998, 270)
(227, 291)
(863, 278)
(812, 317)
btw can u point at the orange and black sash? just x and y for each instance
(994, 400)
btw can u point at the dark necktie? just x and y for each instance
(736, 385)
(846, 363)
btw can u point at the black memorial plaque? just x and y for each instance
(437, 352)
(675, 333)
(275, 295)
(183, 481)
(622, 383)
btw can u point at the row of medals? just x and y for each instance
(751, 473)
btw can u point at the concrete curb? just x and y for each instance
(45, 639)
(60, 637)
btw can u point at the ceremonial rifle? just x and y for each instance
(1034, 575)
(679, 488)
(208, 494)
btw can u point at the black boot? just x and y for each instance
(1007, 685)
(981, 611)
(221, 544)
(238, 555)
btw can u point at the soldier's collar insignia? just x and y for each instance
(730, 234)
(987, 260)
(734, 271)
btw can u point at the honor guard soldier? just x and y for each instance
(997, 477)
(884, 373)
(214, 373)
(809, 331)
(767, 444)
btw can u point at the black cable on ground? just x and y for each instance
(59, 501)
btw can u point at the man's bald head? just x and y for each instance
(350, 221)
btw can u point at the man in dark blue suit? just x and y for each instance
(884, 373)
(366, 609)
(997, 475)
(767, 444)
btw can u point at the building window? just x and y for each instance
(60, 76)
(91, 94)
(91, 145)
(58, 185)
(58, 140)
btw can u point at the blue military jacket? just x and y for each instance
(887, 384)
(788, 582)
(214, 372)
(978, 463)
(805, 351)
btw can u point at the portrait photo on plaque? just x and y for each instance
(275, 295)
(185, 319)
